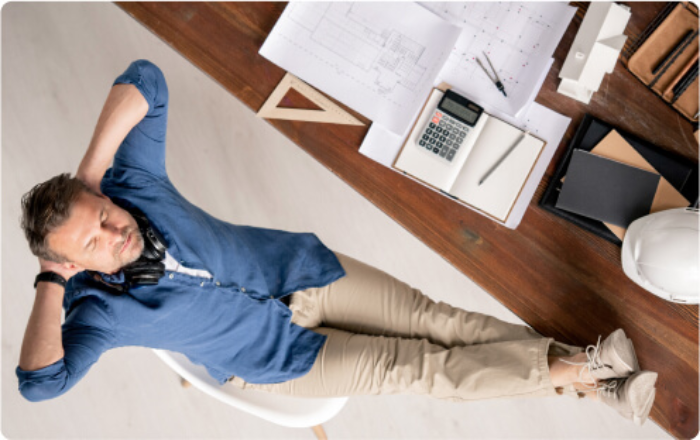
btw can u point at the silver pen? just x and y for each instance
(505, 155)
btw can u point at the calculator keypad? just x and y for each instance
(443, 136)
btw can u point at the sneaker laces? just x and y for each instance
(593, 363)
(608, 389)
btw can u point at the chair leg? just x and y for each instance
(320, 433)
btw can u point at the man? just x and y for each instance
(134, 263)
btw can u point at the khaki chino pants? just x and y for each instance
(386, 338)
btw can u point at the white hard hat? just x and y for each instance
(660, 253)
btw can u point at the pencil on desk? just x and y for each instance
(688, 36)
(505, 155)
(678, 77)
(683, 85)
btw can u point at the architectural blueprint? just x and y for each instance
(519, 38)
(379, 59)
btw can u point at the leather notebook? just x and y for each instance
(607, 190)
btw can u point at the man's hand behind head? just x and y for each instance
(66, 270)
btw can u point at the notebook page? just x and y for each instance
(498, 193)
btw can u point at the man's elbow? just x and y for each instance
(38, 392)
(44, 384)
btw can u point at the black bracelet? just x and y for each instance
(51, 277)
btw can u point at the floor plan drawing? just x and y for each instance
(519, 38)
(378, 58)
(348, 31)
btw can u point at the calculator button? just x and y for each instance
(462, 134)
(436, 135)
(438, 144)
(426, 137)
(428, 131)
(449, 142)
(443, 138)
(432, 140)
(422, 143)
(444, 151)
(436, 150)
(449, 126)
(459, 140)
(436, 120)
(431, 125)
(451, 155)
(439, 129)
(438, 114)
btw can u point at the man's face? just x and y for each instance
(98, 235)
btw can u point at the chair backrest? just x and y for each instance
(294, 412)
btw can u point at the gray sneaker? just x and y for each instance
(632, 397)
(613, 358)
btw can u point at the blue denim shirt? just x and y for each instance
(232, 324)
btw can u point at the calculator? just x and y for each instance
(449, 126)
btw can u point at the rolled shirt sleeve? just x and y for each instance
(87, 333)
(144, 146)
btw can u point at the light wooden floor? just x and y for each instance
(58, 62)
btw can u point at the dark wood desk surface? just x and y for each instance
(565, 282)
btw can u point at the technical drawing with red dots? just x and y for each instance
(519, 38)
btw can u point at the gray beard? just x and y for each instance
(137, 239)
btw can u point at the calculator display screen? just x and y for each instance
(468, 115)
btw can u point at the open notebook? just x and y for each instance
(488, 140)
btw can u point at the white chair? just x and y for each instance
(294, 412)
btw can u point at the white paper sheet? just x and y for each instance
(519, 38)
(383, 59)
(383, 146)
(379, 59)
(550, 126)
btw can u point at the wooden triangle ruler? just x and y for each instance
(330, 112)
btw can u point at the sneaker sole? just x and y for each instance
(640, 419)
(623, 350)
(641, 394)
(634, 355)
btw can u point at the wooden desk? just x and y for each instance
(563, 281)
